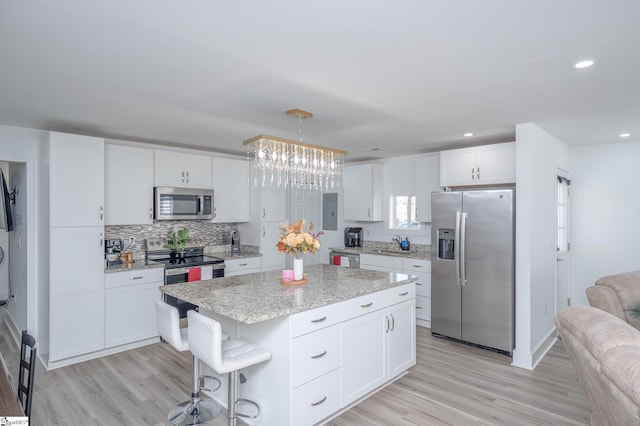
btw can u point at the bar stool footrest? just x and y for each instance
(215, 379)
(247, 401)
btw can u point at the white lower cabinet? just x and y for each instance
(378, 345)
(245, 265)
(316, 400)
(130, 305)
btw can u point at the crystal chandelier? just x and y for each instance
(282, 162)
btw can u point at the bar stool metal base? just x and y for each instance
(195, 412)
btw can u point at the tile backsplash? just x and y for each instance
(202, 233)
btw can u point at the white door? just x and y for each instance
(563, 253)
(306, 204)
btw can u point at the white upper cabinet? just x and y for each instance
(76, 183)
(363, 192)
(231, 190)
(482, 165)
(176, 169)
(128, 185)
(427, 180)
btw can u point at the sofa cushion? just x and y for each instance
(621, 365)
(627, 288)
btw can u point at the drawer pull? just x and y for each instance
(136, 278)
(418, 307)
(403, 294)
(319, 319)
(417, 266)
(320, 355)
(313, 404)
(418, 283)
(242, 264)
(367, 305)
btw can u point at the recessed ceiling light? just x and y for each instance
(625, 135)
(468, 135)
(584, 64)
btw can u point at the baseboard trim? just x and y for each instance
(530, 360)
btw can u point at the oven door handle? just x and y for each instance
(177, 271)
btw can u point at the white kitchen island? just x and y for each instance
(335, 340)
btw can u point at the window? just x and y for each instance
(402, 212)
(563, 213)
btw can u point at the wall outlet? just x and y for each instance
(132, 240)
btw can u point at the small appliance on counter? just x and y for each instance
(112, 251)
(353, 237)
(235, 242)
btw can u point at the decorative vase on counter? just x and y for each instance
(298, 266)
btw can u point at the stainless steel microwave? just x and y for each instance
(182, 203)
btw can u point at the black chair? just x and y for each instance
(25, 391)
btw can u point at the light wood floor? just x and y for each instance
(452, 384)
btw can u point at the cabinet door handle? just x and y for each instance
(101, 239)
(417, 283)
(182, 177)
(215, 212)
(319, 320)
(387, 320)
(150, 212)
(320, 355)
(478, 173)
(136, 278)
(264, 212)
(313, 404)
(403, 294)
(418, 307)
(101, 212)
(264, 232)
(367, 305)
(187, 177)
(473, 174)
(369, 212)
(393, 322)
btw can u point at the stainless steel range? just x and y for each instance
(177, 267)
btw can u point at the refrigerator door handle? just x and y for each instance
(456, 247)
(463, 237)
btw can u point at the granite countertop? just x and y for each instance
(257, 297)
(137, 265)
(411, 254)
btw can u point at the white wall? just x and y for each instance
(538, 157)
(605, 197)
(18, 246)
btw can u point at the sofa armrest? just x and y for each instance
(604, 298)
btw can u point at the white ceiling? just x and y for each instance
(403, 76)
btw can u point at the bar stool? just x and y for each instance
(195, 411)
(205, 341)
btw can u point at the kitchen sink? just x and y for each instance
(394, 252)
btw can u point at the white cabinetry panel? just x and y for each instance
(231, 190)
(245, 265)
(427, 180)
(76, 180)
(363, 192)
(128, 185)
(482, 165)
(176, 169)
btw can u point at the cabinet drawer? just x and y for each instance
(416, 265)
(139, 276)
(385, 262)
(423, 308)
(363, 305)
(423, 285)
(234, 265)
(401, 293)
(315, 354)
(315, 319)
(316, 400)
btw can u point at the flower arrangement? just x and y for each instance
(294, 239)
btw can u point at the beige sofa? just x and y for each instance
(606, 354)
(617, 294)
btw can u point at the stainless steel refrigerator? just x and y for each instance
(473, 266)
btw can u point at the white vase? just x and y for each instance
(298, 267)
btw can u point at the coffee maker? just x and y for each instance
(353, 237)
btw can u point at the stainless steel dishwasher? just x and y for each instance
(344, 258)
